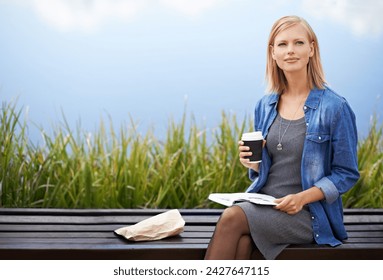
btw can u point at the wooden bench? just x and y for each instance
(89, 234)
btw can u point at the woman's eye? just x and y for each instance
(300, 43)
(281, 44)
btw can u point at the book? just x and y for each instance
(228, 199)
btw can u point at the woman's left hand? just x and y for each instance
(291, 204)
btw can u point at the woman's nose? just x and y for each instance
(290, 48)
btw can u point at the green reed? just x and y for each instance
(118, 168)
(123, 168)
(368, 192)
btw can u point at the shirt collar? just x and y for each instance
(274, 97)
(312, 100)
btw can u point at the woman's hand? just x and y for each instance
(293, 203)
(244, 151)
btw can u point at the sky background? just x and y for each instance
(148, 59)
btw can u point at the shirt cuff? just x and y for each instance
(328, 188)
(253, 174)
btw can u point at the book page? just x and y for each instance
(229, 199)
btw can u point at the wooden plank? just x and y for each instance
(131, 218)
(103, 212)
(364, 211)
(176, 253)
(188, 253)
(49, 241)
(365, 219)
(125, 221)
(80, 228)
(363, 240)
(90, 242)
(90, 234)
(56, 228)
(146, 212)
(93, 246)
(364, 227)
(365, 234)
(363, 253)
(189, 234)
(164, 245)
(128, 220)
(112, 227)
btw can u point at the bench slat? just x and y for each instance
(110, 234)
(128, 220)
(111, 227)
(132, 219)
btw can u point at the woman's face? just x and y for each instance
(292, 49)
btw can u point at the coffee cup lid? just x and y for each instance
(255, 135)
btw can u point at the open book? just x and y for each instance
(228, 199)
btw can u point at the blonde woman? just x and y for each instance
(309, 159)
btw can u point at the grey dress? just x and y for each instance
(273, 230)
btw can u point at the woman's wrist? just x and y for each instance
(310, 195)
(255, 167)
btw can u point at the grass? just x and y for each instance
(368, 192)
(125, 169)
(118, 169)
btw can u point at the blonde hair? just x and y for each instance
(275, 77)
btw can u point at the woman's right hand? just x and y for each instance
(244, 151)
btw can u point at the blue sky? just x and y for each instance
(92, 59)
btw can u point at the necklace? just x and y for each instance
(279, 146)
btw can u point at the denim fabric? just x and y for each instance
(329, 159)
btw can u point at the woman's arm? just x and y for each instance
(344, 162)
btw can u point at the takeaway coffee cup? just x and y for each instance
(254, 140)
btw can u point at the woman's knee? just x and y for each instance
(233, 218)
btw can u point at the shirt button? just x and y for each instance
(319, 138)
(307, 124)
(316, 235)
(312, 217)
(305, 108)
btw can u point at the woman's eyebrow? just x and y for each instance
(289, 39)
(293, 40)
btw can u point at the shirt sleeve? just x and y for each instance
(253, 174)
(344, 162)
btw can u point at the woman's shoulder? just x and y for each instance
(266, 104)
(268, 99)
(330, 96)
(333, 101)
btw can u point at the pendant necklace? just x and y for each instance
(279, 146)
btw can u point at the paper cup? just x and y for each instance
(254, 140)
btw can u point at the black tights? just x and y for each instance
(231, 239)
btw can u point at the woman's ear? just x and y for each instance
(272, 51)
(312, 49)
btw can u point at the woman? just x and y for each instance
(308, 161)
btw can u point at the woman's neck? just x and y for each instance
(290, 105)
(297, 84)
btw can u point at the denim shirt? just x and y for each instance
(329, 158)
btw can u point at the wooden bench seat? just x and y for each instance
(89, 234)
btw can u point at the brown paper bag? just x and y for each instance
(163, 225)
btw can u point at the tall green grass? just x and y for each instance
(368, 191)
(118, 168)
(122, 168)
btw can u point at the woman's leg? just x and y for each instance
(245, 248)
(231, 236)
